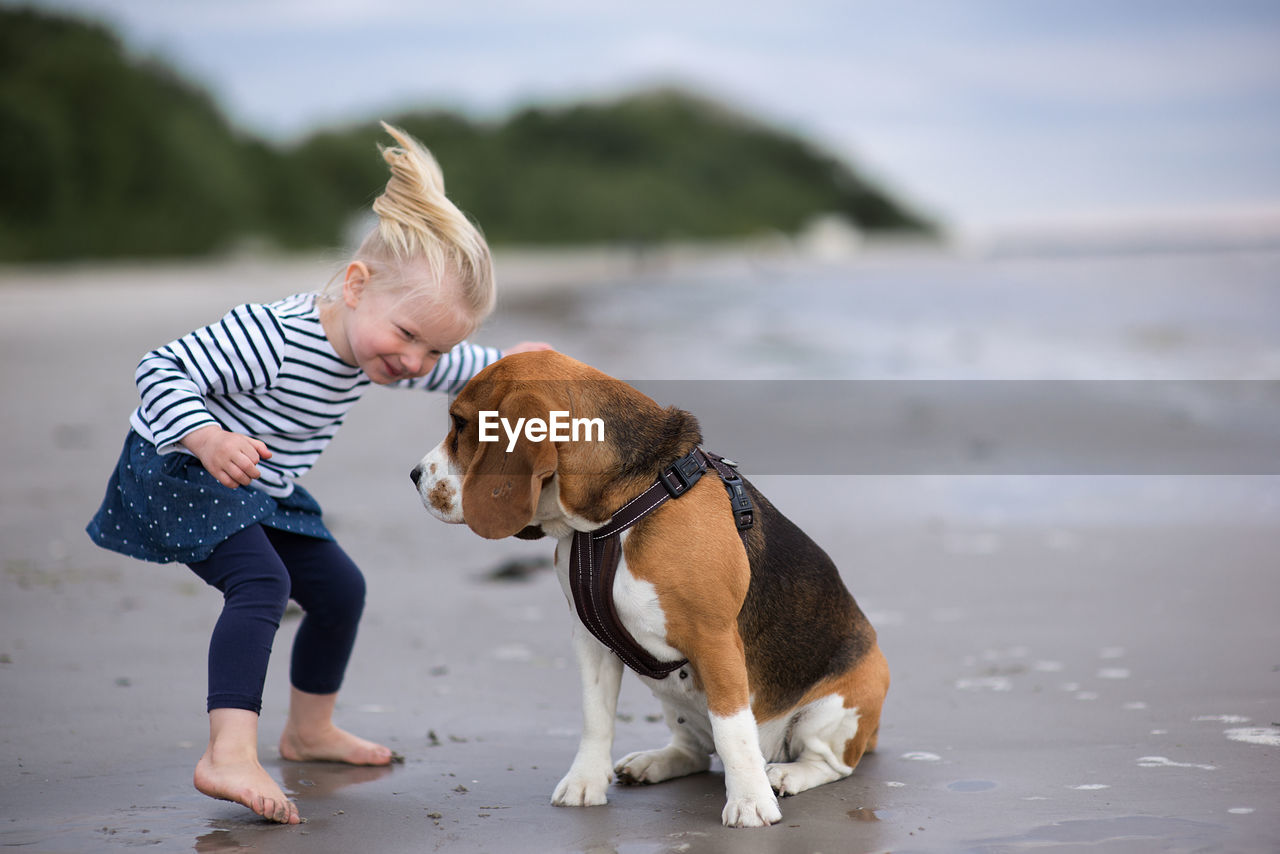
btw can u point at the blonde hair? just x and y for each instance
(416, 221)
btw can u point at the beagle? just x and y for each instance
(783, 677)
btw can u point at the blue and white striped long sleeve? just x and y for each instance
(269, 371)
(456, 368)
(240, 354)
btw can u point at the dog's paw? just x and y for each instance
(792, 778)
(783, 780)
(654, 766)
(581, 790)
(758, 811)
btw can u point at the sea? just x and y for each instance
(1087, 387)
(920, 316)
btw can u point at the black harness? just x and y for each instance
(594, 555)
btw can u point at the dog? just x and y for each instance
(779, 672)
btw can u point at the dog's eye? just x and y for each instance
(459, 424)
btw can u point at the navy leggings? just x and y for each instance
(258, 570)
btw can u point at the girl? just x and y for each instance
(251, 401)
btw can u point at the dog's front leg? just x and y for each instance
(749, 797)
(750, 801)
(601, 671)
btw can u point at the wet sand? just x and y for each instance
(1080, 678)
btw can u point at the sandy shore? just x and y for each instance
(1071, 676)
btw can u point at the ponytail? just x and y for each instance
(417, 221)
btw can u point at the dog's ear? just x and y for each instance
(500, 490)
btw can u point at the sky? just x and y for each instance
(990, 115)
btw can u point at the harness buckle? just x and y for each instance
(682, 474)
(740, 502)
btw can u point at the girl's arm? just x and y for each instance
(455, 368)
(459, 365)
(241, 352)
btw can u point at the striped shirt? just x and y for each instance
(268, 371)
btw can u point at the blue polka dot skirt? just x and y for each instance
(167, 508)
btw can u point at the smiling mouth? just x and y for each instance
(391, 370)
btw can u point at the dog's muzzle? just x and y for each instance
(441, 493)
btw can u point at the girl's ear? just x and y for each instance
(354, 284)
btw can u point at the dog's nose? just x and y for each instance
(416, 474)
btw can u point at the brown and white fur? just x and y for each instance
(784, 678)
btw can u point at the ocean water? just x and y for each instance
(1211, 316)
(1163, 352)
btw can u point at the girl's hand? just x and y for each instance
(526, 347)
(232, 458)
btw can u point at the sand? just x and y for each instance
(1068, 675)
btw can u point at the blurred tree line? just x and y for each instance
(106, 155)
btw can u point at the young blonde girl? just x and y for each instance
(233, 413)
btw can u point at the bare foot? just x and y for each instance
(310, 734)
(331, 744)
(246, 782)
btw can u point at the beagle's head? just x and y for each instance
(539, 442)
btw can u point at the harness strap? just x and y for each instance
(594, 555)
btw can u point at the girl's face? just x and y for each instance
(389, 336)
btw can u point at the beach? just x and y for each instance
(1082, 635)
